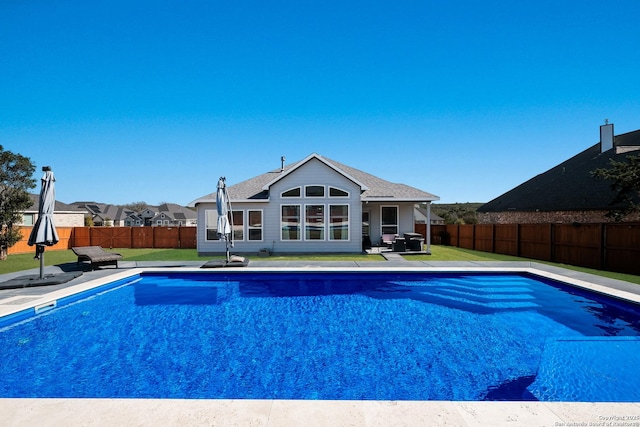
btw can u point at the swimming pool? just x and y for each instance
(382, 336)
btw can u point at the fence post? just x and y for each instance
(552, 242)
(473, 237)
(603, 246)
(493, 238)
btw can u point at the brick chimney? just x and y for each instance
(606, 136)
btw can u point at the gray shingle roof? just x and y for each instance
(59, 206)
(569, 186)
(119, 213)
(376, 188)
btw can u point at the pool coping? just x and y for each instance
(584, 280)
(73, 412)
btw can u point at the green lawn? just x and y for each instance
(22, 262)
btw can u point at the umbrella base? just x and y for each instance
(235, 261)
(35, 280)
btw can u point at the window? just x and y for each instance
(290, 222)
(254, 226)
(27, 219)
(294, 192)
(314, 191)
(336, 192)
(389, 215)
(238, 225)
(365, 223)
(314, 222)
(338, 222)
(211, 224)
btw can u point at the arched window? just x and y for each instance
(293, 192)
(337, 192)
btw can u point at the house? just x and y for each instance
(104, 214)
(420, 216)
(313, 205)
(176, 215)
(167, 214)
(568, 192)
(63, 216)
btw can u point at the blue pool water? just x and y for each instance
(396, 336)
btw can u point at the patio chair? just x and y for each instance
(387, 240)
(96, 256)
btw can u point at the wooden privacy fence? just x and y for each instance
(606, 246)
(64, 234)
(115, 237)
(602, 246)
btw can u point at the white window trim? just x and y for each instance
(348, 239)
(324, 222)
(290, 189)
(235, 225)
(300, 223)
(397, 218)
(261, 228)
(213, 226)
(32, 219)
(339, 189)
(324, 191)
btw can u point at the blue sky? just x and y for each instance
(154, 100)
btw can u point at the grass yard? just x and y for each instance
(22, 262)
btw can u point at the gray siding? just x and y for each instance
(316, 173)
(405, 218)
(313, 172)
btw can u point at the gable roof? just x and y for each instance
(59, 206)
(373, 188)
(568, 186)
(297, 165)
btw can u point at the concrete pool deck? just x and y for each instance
(110, 412)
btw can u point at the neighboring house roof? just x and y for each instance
(59, 206)
(570, 186)
(373, 188)
(177, 212)
(421, 214)
(120, 213)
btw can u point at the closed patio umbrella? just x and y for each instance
(44, 231)
(224, 207)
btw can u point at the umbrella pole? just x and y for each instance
(42, 262)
